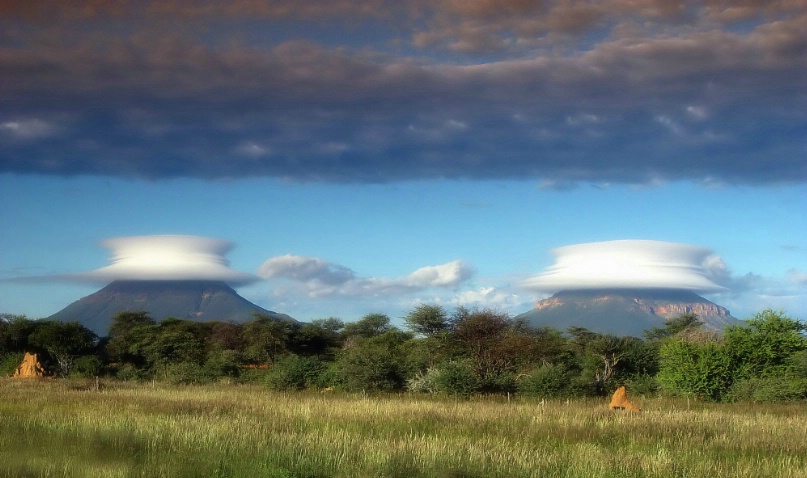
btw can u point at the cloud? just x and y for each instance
(321, 278)
(170, 257)
(28, 129)
(488, 297)
(615, 91)
(629, 264)
(305, 269)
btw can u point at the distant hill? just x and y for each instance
(194, 300)
(624, 311)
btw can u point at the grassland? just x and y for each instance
(68, 429)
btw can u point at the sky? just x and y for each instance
(337, 158)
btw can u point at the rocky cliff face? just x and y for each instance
(647, 303)
(625, 311)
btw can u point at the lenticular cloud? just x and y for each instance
(627, 264)
(168, 258)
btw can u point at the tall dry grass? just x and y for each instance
(61, 429)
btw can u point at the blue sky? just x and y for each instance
(380, 138)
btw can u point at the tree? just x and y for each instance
(675, 326)
(14, 332)
(267, 338)
(368, 326)
(482, 334)
(63, 341)
(600, 354)
(127, 335)
(427, 320)
(174, 341)
(765, 343)
(374, 364)
(315, 339)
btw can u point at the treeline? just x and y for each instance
(463, 353)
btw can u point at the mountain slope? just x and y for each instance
(193, 300)
(624, 311)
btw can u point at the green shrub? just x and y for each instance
(456, 378)
(87, 366)
(504, 382)
(224, 363)
(9, 363)
(695, 369)
(548, 381)
(253, 375)
(331, 376)
(294, 373)
(425, 382)
(642, 384)
(768, 389)
(129, 371)
(187, 373)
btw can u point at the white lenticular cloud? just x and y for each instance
(629, 264)
(168, 258)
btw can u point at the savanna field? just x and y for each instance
(68, 428)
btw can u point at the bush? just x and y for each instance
(424, 382)
(549, 381)
(87, 366)
(129, 371)
(456, 378)
(768, 389)
(642, 384)
(9, 363)
(695, 369)
(295, 373)
(225, 363)
(187, 373)
(503, 382)
(253, 375)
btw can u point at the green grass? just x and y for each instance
(65, 429)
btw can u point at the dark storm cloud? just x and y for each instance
(559, 91)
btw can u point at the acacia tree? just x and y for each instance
(127, 336)
(370, 325)
(427, 320)
(266, 338)
(600, 354)
(482, 334)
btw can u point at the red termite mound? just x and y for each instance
(620, 401)
(30, 367)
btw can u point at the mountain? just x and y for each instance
(194, 300)
(624, 311)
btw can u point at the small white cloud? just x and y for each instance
(443, 275)
(253, 150)
(697, 112)
(797, 277)
(28, 129)
(671, 125)
(582, 119)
